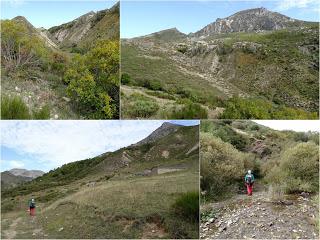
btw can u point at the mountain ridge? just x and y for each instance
(250, 20)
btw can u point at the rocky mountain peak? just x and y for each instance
(165, 129)
(20, 18)
(250, 20)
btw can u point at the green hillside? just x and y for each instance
(129, 193)
(253, 75)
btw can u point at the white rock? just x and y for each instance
(60, 229)
(56, 116)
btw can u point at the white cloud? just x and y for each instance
(59, 142)
(15, 164)
(294, 125)
(288, 4)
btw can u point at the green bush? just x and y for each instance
(189, 111)
(152, 85)
(141, 106)
(222, 130)
(20, 49)
(93, 81)
(125, 79)
(298, 169)
(14, 108)
(187, 206)
(222, 166)
(254, 108)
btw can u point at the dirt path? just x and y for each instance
(11, 232)
(257, 217)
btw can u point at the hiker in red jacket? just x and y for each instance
(32, 207)
(249, 180)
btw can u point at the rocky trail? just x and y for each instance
(257, 217)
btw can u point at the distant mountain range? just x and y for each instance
(17, 176)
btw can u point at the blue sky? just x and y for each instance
(44, 145)
(51, 13)
(144, 17)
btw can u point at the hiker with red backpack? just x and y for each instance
(249, 180)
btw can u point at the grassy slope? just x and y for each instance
(123, 206)
(162, 70)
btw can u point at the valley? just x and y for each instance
(254, 64)
(140, 191)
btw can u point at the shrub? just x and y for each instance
(222, 130)
(189, 111)
(182, 48)
(20, 49)
(125, 78)
(152, 85)
(59, 62)
(255, 127)
(93, 81)
(298, 169)
(187, 206)
(187, 93)
(141, 106)
(222, 166)
(14, 108)
(254, 108)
